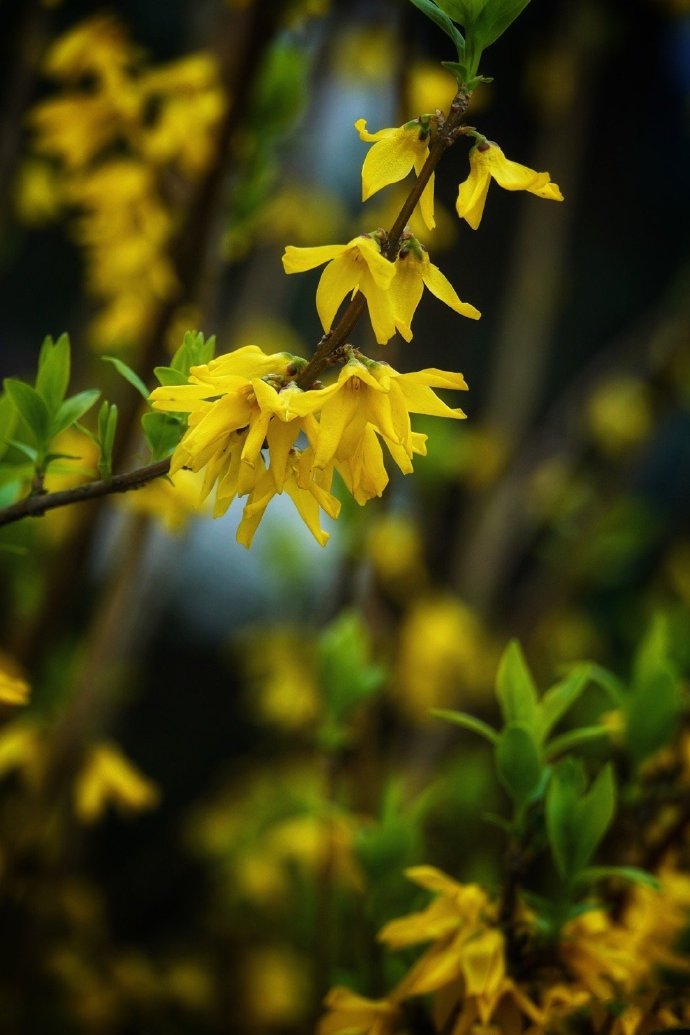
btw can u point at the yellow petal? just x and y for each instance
(281, 438)
(340, 276)
(381, 270)
(380, 308)
(364, 134)
(440, 286)
(406, 292)
(421, 399)
(335, 416)
(508, 174)
(298, 260)
(472, 194)
(308, 510)
(390, 159)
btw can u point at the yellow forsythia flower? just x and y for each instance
(372, 399)
(413, 272)
(487, 161)
(394, 154)
(110, 778)
(356, 266)
(352, 1014)
(13, 690)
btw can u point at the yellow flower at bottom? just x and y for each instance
(394, 154)
(488, 162)
(356, 266)
(352, 1014)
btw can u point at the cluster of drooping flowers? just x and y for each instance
(247, 404)
(130, 141)
(255, 431)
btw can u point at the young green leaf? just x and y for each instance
(8, 422)
(561, 697)
(32, 409)
(437, 14)
(515, 688)
(72, 410)
(573, 738)
(518, 762)
(129, 375)
(53, 374)
(577, 821)
(468, 722)
(652, 714)
(592, 874)
(163, 431)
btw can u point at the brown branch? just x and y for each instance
(36, 506)
(445, 137)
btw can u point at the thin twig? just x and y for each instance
(36, 506)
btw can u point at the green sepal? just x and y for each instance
(163, 432)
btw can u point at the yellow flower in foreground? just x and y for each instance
(487, 161)
(352, 1014)
(369, 400)
(12, 689)
(356, 266)
(110, 778)
(394, 154)
(413, 272)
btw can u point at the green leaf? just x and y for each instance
(27, 451)
(592, 874)
(163, 432)
(494, 19)
(32, 410)
(516, 691)
(53, 374)
(577, 821)
(193, 352)
(468, 722)
(560, 698)
(347, 674)
(573, 738)
(441, 19)
(129, 375)
(652, 714)
(8, 422)
(107, 425)
(73, 409)
(168, 376)
(518, 762)
(612, 686)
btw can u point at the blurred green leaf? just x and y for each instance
(577, 821)
(440, 18)
(561, 697)
(468, 722)
(193, 352)
(573, 738)
(518, 762)
(347, 675)
(592, 874)
(515, 688)
(8, 422)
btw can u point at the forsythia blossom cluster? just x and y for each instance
(255, 433)
(601, 969)
(128, 144)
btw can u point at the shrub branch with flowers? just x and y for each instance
(582, 932)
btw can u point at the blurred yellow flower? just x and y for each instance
(619, 414)
(283, 688)
(108, 778)
(275, 984)
(395, 550)
(13, 690)
(429, 86)
(394, 154)
(173, 501)
(352, 1014)
(488, 162)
